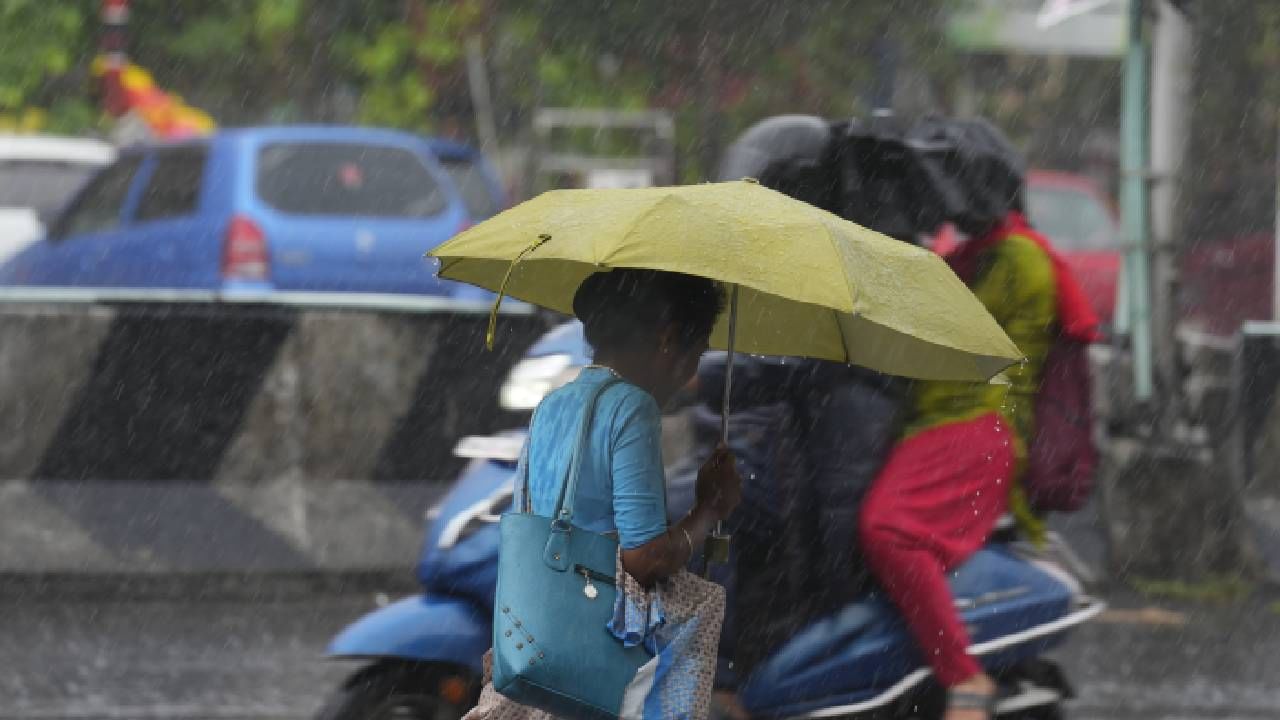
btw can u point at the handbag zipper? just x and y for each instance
(587, 572)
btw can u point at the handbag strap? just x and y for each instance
(568, 489)
(522, 467)
(526, 502)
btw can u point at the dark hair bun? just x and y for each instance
(627, 307)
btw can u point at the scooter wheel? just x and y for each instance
(398, 690)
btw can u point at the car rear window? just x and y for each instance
(346, 179)
(474, 187)
(174, 187)
(98, 208)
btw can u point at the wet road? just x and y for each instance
(169, 659)
(261, 659)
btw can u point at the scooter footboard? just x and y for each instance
(422, 628)
(862, 657)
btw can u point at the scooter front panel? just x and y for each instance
(460, 552)
(420, 627)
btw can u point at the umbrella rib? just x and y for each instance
(662, 200)
(835, 318)
(853, 290)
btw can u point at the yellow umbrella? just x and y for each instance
(805, 282)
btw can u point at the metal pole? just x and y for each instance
(885, 53)
(1275, 271)
(1133, 201)
(113, 48)
(728, 370)
(1170, 110)
(716, 549)
(113, 41)
(481, 98)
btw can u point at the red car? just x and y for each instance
(1226, 282)
(1078, 219)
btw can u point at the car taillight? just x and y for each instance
(244, 251)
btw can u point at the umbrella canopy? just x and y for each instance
(810, 283)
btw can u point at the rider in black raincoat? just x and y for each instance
(810, 436)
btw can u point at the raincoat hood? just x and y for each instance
(977, 174)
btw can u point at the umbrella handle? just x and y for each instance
(492, 332)
(716, 548)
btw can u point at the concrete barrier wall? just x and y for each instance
(189, 437)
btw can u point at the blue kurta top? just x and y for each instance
(621, 487)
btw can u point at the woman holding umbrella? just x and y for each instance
(648, 330)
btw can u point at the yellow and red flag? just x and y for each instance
(129, 90)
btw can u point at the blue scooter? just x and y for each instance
(423, 654)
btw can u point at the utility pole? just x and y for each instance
(113, 49)
(1170, 509)
(885, 51)
(481, 98)
(1133, 201)
(1275, 270)
(1170, 120)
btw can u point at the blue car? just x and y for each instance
(329, 209)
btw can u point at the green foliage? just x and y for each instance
(718, 65)
(276, 20)
(239, 61)
(42, 48)
(405, 64)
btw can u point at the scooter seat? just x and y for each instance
(864, 652)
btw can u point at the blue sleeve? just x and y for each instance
(639, 484)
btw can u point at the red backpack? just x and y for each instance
(1061, 458)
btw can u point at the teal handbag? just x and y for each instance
(551, 648)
